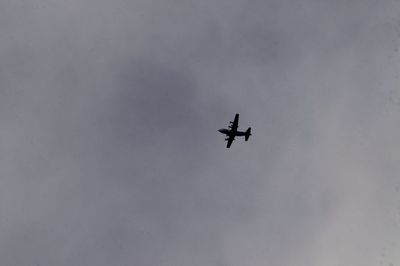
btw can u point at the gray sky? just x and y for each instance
(109, 150)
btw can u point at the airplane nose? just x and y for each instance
(220, 130)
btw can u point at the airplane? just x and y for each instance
(232, 132)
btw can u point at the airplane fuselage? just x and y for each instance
(232, 133)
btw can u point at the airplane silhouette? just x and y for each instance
(232, 132)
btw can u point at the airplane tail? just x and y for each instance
(248, 134)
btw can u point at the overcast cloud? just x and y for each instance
(109, 150)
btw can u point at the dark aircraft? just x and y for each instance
(232, 132)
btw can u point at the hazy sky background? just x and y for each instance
(109, 150)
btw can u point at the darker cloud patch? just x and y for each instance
(156, 130)
(155, 98)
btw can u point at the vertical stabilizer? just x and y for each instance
(248, 134)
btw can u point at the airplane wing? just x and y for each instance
(234, 124)
(230, 140)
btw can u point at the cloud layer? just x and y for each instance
(109, 150)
